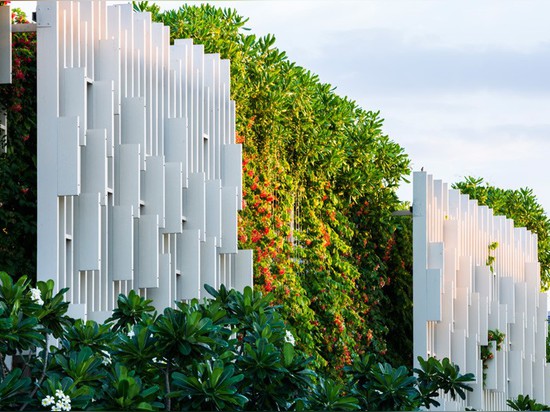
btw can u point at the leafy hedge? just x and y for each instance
(231, 352)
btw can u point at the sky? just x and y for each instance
(462, 85)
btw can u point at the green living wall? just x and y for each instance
(319, 191)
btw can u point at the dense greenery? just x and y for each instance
(522, 206)
(231, 352)
(18, 159)
(319, 189)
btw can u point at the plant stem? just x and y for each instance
(167, 380)
(42, 376)
(4, 367)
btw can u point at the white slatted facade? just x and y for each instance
(457, 298)
(139, 175)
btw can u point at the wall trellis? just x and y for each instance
(458, 297)
(139, 175)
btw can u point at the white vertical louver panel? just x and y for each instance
(433, 291)
(208, 268)
(242, 270)
(129, 178)
(108, 69)
(89, 231)
(154, 182)
(103, 109)
(174, 203)
(74, 98)
(133, 124)
(68, 149)
(232, 169)
(94, 163)
(148, 252)
(214, 210)
(189, 259)
(229, 220)
(123, 243)
(194, 207)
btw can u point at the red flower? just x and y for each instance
(25, 138)
(256, 236)
(16, 107)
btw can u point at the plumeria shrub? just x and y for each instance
(234, 351)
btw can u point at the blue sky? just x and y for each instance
(462, 85)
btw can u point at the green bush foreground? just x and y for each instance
(231, 352)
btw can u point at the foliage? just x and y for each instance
(18, 158)
(319, 189)
(486, 352)
(234, 351)
(383, 387)
(524, 403)
(522, 206)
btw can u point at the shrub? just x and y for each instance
(234, 351)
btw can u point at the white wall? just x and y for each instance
(139, 176)
(457, 298)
